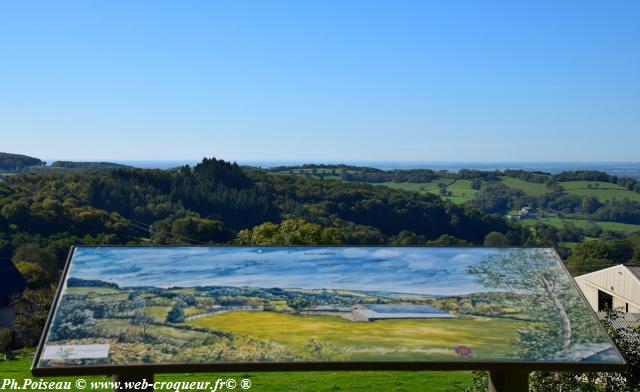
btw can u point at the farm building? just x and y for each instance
(328, 308)
(371, 312)
(613, 287)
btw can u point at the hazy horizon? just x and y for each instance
(619, 168)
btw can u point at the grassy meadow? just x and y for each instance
(489, 337)
(461, 190)
(604, 191)
(250, 320)
(19, 369)
(582, 223)
(160, 312)
(530, 188)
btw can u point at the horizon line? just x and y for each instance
(330, 161)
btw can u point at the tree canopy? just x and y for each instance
(17, 162)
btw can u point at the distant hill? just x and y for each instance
(76, 282)
(90, 166)
(16, 162)
(78, 167)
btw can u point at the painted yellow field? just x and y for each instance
(388, 339)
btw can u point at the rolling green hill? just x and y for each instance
(604, 191)
(460, 189)
(78, 167)
(546, 193)
(530, 188)
(582, 223)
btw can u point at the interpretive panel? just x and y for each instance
(122, 306)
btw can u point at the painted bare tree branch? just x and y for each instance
(534, 272)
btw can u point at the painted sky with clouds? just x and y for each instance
(436, 271)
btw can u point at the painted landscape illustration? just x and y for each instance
(284, 304)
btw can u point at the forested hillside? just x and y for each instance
(571, 205)
(17, 162)
(213, 202)
(43, 214)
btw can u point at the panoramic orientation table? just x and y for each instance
(132, 312)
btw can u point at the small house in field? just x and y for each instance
(526, 212)
(372, 312)
(615, 287)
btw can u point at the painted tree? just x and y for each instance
(143, 320)
(537, 273)
(73, 322)
(175, 315)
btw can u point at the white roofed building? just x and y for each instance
(371, 312)
(616, 287)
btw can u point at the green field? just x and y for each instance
(461, 190)
(100, 293)
(160, 312)
(157, 312)
(530, 188)
(93, 290)
(582, 223)
(326, 173)
(18, 369)
(410, 186)
(604, 191)
(115, 327)
(489, 338)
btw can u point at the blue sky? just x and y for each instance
(324, 81)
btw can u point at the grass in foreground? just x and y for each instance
(19, 369)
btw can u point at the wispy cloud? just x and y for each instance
(438, 271)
